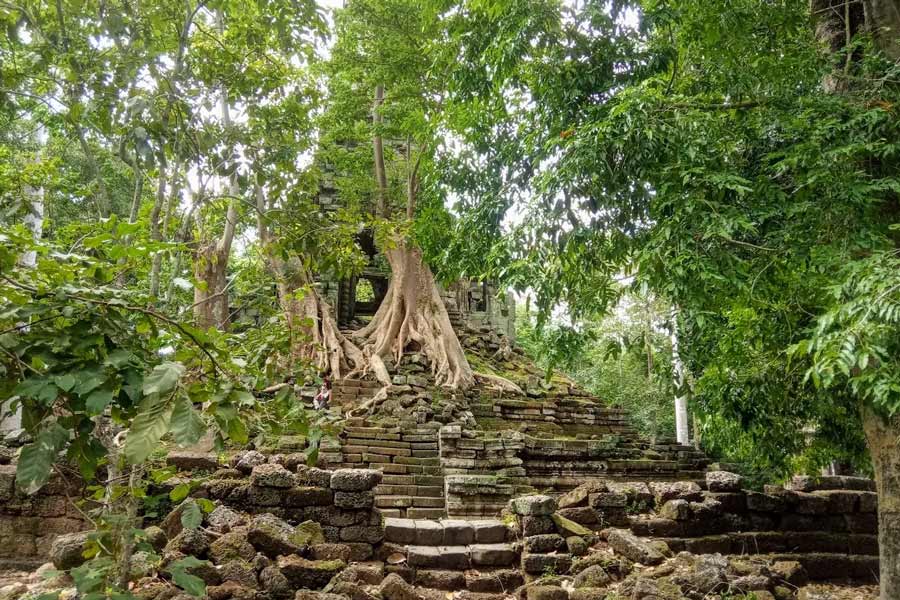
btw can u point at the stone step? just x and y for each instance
(462, 557)
(426, 491)
(409, 502)
(429, 480)
(447, 532)
(824, 566)
(426, 513)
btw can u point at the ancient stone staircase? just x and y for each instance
(353, 392)
(477, 556)
(413, 483)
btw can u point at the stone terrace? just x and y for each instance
(413, 484)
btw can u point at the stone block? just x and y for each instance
(355, 480)
(537, 525)
(307, 496)
(633, 548)
(537, 505)
(496, 581)
(271, 476)
(438, 557)
(544, 543)
(440, 579)
(189, 460)
(363, 499)
(584, 515)
(370, 534)
(400, 531)
(663, 491)
(457, 533)
(676, 510)
(545, 592)
(492, 555)
(534, 563)
(489, 532)
(310, 574)
(312, 476)
(811, 504)
(723, 481)
(602, 500)
(393, 587)
(428, 533)
(759, 502)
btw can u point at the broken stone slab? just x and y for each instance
(355, 480)
(546, 592)
(190, 460)
(723, 481)
(676, 510)
(537, 505)
(664, 491)
(395, 588)
(271, 536)
(67, 550)
(311, 574)
(633, 548)
(594, 576)
(568, 527)
(245, 460)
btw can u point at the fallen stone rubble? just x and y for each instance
(281, 530)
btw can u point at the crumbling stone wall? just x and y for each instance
(829, 526)
(28, 524)
(573, 413)
(341, 501)
(483, 470)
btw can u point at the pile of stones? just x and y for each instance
(563, 560)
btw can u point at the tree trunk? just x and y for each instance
(413, 312)
(679, 381)
(381, 207)
(883, 436)
(883, 20)
(314, 333)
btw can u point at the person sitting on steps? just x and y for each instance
(320, 402)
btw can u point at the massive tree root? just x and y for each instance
(315, 336)
(413, 312)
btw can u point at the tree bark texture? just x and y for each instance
(883, 436)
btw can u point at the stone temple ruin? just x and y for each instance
(550, 495)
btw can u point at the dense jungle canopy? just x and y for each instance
(725, 170)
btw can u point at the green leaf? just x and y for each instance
(65, 382)
(118, 358)
(148, 427)
(37, 388)
(97, 400)
(163, 378)
(191, 517)
(205, 504)
(89, 381)
(179, 492)
(37, 458)
(191, 584)
(187, 426)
